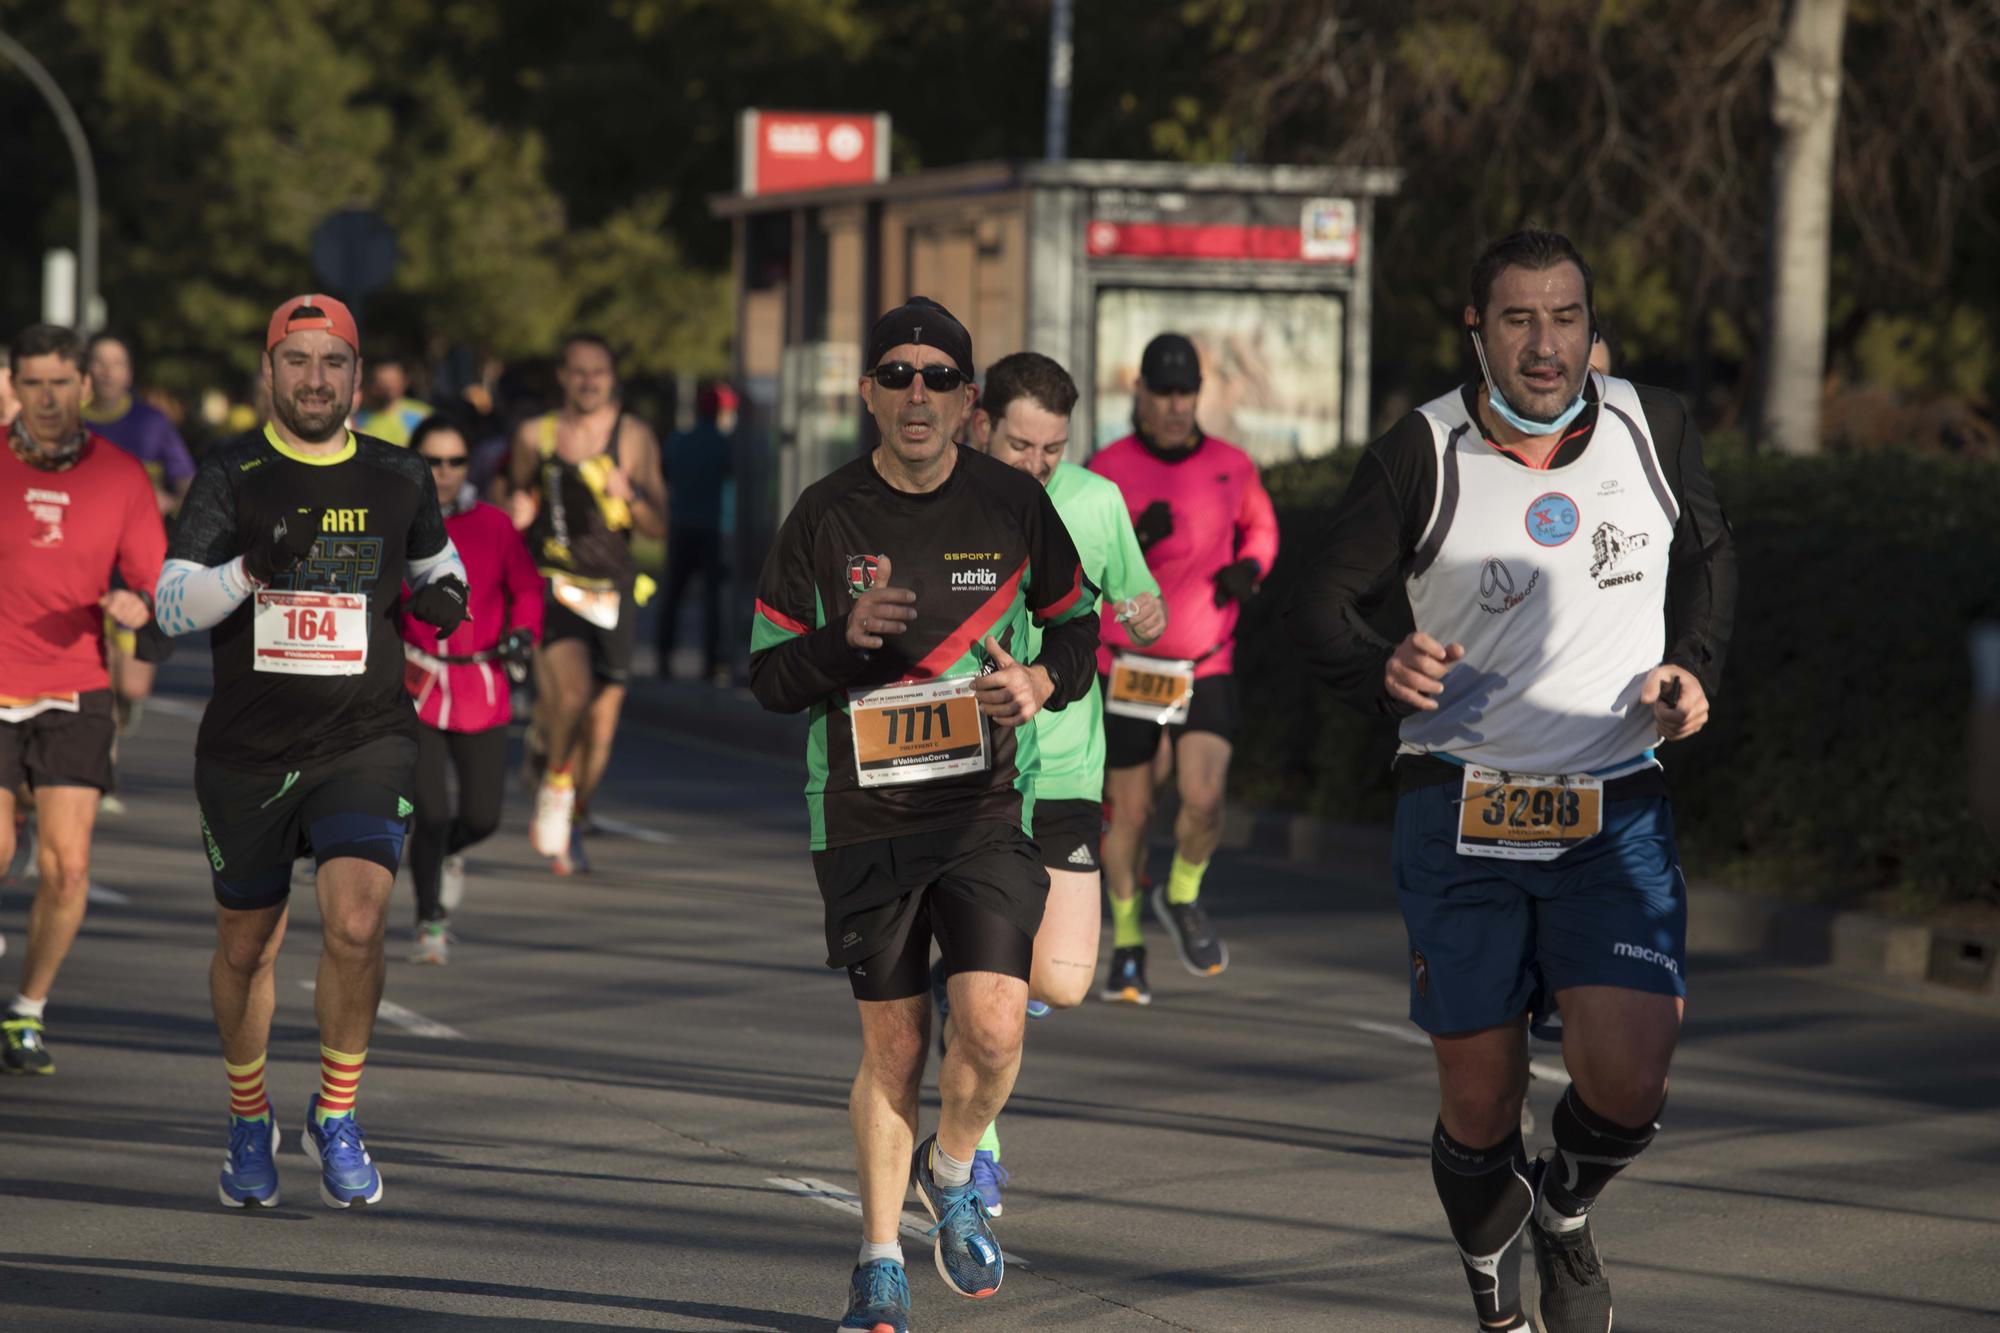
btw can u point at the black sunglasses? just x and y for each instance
(456, 460)
(898, 374)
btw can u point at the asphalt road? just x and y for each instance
(623, 1106)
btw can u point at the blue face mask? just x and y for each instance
(1505, 410)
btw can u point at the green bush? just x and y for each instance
(1834, 766)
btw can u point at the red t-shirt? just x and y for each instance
(61, 534)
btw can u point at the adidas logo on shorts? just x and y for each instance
(1082, 857)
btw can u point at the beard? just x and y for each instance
(312, 423)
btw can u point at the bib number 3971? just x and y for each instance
(917, 732)
(1526, 816)
(311, 633)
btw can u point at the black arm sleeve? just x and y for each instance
(794, 665)
(1701, 566)
(206, 531)
(1065, 602)
(1367, 548)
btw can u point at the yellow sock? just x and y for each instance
(1184, 881)
(561, 777)
(339, 1081)
(246, 1090)
(1125, 923)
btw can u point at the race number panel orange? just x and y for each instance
(1526, 816)
(1156, 689)
(917, 732)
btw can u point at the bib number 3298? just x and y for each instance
(1526, 816)
(311, 633)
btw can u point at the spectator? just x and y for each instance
(697, 465)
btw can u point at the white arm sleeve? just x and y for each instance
(432, 568)
(192, 597)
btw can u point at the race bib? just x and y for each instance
(311, 633)
(1156, 689)
(917, 732)
(599, 606)
(1526, 816)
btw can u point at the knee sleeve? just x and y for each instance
(1487, 1199)
(1590, 1150)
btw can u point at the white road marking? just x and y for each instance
(833, 1196)
(409, 1020)
(1550, 1073)
(1409, 1036)
(637, 832)
(99, 894)
(172, 707)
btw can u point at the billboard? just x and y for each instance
(1266, 228)
(1270, 363)
(783, 151)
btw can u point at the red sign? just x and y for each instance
(1325, 233)
(810, 150)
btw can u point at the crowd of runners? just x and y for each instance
(1005, 658)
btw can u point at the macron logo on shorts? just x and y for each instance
(1645, 955)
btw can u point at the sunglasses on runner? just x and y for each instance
(453, 460)
(898, 374)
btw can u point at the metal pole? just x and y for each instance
(86, 177)
(1062, 59)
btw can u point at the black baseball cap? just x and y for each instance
(1169, 365)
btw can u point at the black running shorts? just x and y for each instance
(1068, 833)
(610, 649)
(61, 748)
(255, 824)
(1132, 741)
(978, 891)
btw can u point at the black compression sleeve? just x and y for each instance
(1701, 566)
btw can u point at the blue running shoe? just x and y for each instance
(347, 1174)
(968, 1258)
(1038, 1009)
(248, 1173)
(989, 1179)
(878, 1299)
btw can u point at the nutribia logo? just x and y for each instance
(976, 579)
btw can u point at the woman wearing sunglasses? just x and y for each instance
(460, 685)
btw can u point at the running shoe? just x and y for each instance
(1038, 1008)
(555, 809)
(248, 1173)
(1575, 1296)
(1125, 983)
(451, 883)
(579, 860)
(433, 944)
(968, 1258)
(878, 1299)
(24, 1052)
(1202, 953)
(989, 1178)
(347, 1174)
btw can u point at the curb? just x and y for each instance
(1933, 961)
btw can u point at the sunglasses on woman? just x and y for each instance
(447, 460)
(898, 374)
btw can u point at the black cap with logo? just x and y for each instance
(1169, 365)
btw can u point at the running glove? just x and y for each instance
(515, 651)
(440, 604)
(1156, 523)
(1236, 583)
(271, 557)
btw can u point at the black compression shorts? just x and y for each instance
(1215, 708)
(610, 649)
(1068, 833)
(60, 748)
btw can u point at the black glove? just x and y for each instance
(272, 556)
(516, 649)
(441, 604)
(1237, 583)
(1156, 523)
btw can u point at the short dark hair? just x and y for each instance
(435, 422)
(1027, 375)
(1532, 248)
(586, 338)
(44, 340)
(103, 336)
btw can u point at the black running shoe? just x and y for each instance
(24, 1051)
(1575, 1296)
(1202, 952)
(1125, 983)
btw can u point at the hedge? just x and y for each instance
(1833, 768)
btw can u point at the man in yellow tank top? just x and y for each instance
(582, 480)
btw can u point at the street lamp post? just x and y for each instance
(86, 176)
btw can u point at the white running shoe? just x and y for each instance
(451, 884)
(433, 944)
(555, 811)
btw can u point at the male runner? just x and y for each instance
(1023, 421)
(1209, 535)
(72, 510)
(386, 411)
(293, 547)
(584, 479)
(1573, 583)
(895, 605)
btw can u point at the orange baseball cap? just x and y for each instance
(313, 312)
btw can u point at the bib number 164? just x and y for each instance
(309, 626)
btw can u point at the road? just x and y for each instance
(623, 1106)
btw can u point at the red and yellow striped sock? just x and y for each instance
(246, 1090)
(339, 1079)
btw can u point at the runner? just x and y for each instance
(893, 605)
(584, 479)
(1210, 536)
(73, 510)
(293, 547)
(461, 686)
(1023, 421)
(1573, 583)
(386, 410)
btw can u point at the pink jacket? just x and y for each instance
(1221, 514)
(504, 593)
